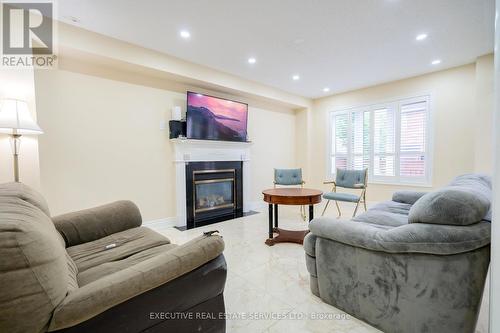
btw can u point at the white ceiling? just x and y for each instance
(340, 44)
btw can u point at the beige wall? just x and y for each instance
(483, 156)
(273, 135)
(455, 121)
(103, 142)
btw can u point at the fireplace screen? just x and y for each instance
(213, 194)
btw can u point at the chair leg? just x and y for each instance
(356, 209)
(303, 212)
(326, 206)
(364, 199)
(338, 208)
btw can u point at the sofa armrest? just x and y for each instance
(408, 238)
(102, 294)
(407, 197)
(95, 223)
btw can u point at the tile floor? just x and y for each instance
(271, 283)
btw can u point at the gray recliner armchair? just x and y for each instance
(417, 263)
(99, 270)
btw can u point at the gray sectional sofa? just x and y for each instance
(417, 263)
(99, 270)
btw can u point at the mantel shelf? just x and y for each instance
(212, 143)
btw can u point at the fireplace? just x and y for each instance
(214, 192)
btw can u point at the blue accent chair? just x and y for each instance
(353, 179)
(290, 177)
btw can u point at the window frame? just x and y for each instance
(396, 104)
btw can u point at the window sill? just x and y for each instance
(424, 185)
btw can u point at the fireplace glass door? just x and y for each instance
(213, 194)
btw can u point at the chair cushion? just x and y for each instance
(288, 176)
(126, 243)
(350, 178)
(465, 201)
(341, 196)
(111, 267)
(34, 276)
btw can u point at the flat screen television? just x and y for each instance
(213, 118)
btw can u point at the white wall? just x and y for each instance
(103, 143)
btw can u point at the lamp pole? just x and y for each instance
(16, 143)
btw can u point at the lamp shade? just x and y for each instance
(15, 118)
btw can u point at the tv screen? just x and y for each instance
(212, 118)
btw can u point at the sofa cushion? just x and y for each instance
(466, 200)
(408, 238)
(387, 213)
(91, 224)
(110, 290)
(451, 205)
(34, 276)
(481, 183)
(115, 247)
(26, 193)
(408, 197)
(111, 267)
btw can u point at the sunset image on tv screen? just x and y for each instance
(212, 118)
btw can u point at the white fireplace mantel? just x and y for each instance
(188, 150)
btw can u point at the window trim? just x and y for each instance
(426, 181)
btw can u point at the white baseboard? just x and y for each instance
(165, 222)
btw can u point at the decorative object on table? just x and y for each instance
(289, 196)
(353, 179)
(176, 113)
(16, 120)
(290, 177)
(405, 265)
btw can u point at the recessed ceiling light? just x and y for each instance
(421, 37)
(326, 89)
(252, 60)
(436, 62)
(185, 34)
(296, 77)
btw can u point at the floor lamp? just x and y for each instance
(16, 120)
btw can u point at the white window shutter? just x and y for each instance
(384, 137)
(413, 139)
(360, 140)
(390, 139)
(340, 142)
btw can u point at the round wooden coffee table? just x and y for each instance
(289, 196)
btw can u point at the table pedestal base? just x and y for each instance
(288, 196)
(287, 236)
